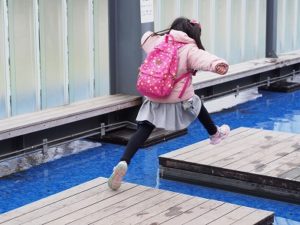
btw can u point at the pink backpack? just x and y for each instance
(157, 76)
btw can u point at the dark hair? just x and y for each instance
(193, 30)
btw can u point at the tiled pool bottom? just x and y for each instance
(273, 111)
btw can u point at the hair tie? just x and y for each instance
(195, 22)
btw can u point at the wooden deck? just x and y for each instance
(258, 161)
(94, 203)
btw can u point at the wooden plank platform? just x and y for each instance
(261, 162)
(94, 203)
(123, 134)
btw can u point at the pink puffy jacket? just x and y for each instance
(190, 58)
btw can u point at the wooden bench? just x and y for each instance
(41, 120)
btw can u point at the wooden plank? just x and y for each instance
(197, 145)
(194, 212)
(251, 157)
(233, 216)
(241, 153)
(126, 216)
(44, 213)
(278, 162)
(173, 211)
(252, 218)
(145, 214)
(262, 158)
(88, 206)
(214, 214)
(219, 152)
(286, 171)
(116, 207)
(35, 206)
(208, 150)
(247, 147)
(291, 174)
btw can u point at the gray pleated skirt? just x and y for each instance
(170, 116)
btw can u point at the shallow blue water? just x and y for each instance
(273, 111)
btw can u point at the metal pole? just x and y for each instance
(45, 146)
(271, 31)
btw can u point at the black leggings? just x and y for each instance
(145, 128)
(206, 121)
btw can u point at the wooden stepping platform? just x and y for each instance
(122, 134)
(261, 162)
(94, 203)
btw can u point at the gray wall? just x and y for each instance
(126, 53)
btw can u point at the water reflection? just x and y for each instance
(284, 221)
(290, 123)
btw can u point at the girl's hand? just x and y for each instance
(221, 68)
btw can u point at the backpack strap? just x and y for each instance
(186, 75)
(169, 36)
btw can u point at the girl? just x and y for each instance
(172, 112)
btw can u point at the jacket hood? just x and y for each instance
(181, 36)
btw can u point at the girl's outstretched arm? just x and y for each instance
(199, 59)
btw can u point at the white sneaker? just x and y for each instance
(115, 179)
(222, 133)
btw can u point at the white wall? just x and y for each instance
(288, 31)
(231, 29)
(57, 52)
(52, 53)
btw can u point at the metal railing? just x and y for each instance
(45, 144)
(266, 82)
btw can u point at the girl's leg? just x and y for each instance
(137, 140)
(206, 120)
(217, 134)
(144, 130)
